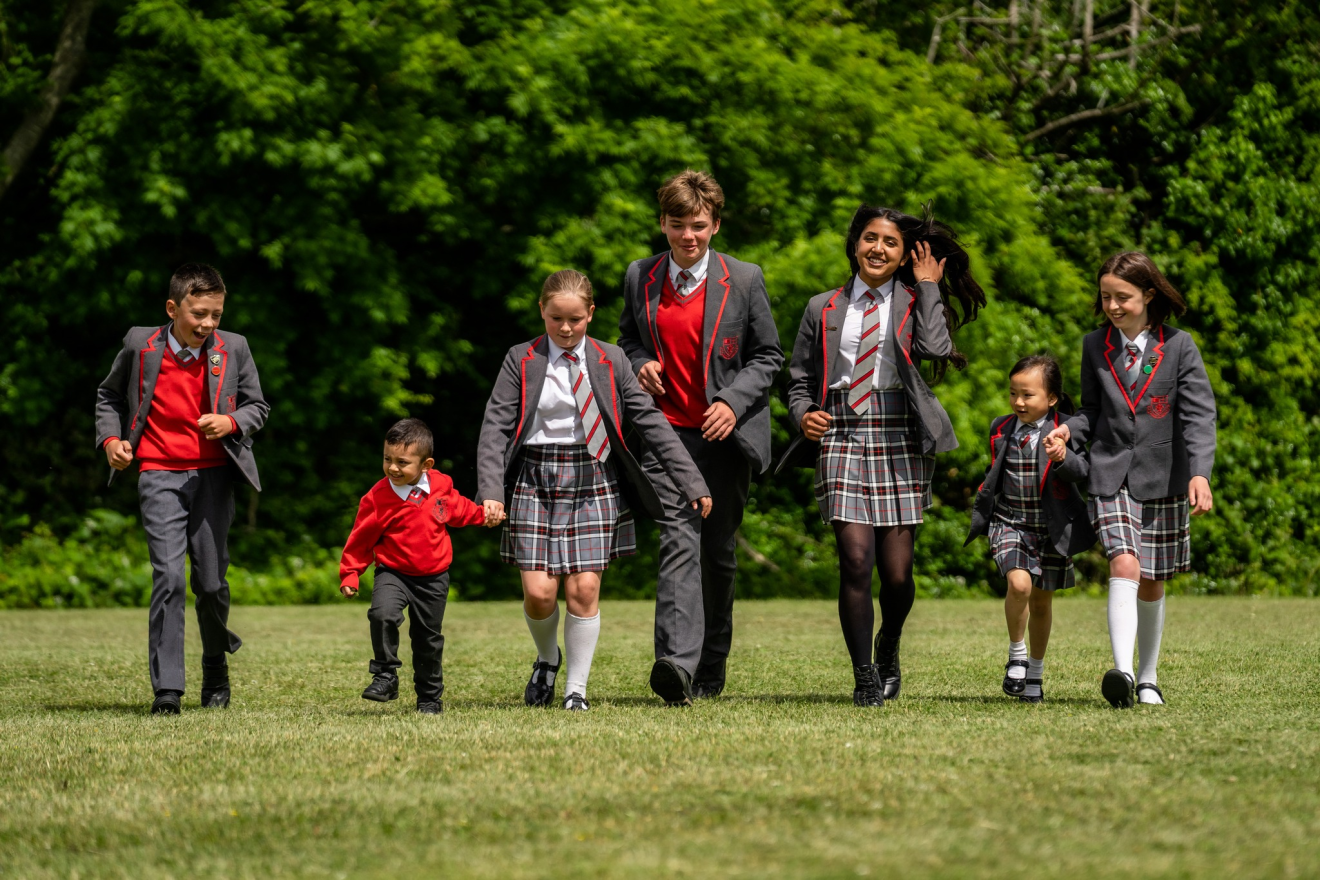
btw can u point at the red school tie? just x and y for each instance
(417, 496)
(592, 423)
(859, 392)
(1131, 369)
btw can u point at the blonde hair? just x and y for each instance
(567, 282)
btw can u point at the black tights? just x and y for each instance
(857, 544)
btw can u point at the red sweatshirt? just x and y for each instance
(171, 440)
(410, 538)
(679, 323)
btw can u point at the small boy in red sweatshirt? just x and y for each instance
(402, 523)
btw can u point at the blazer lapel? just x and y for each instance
(831, 328)
(653, 284)
(532, 370)
(600, 372)
(149, 366)
(1154, 349)
(717, 297)
(1043, 461)
(900, 319)
(214, 348)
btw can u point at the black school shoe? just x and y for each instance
(1014, 686)
(886, 666)
(430, 708)
(540, 690)
(1117, 686)
(1032, 694)
(671, 683)
(866, 687)
(167, 703)
(215, 684)
(383, 688)
(1148, 686)
(709, 681)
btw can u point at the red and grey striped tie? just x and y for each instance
(418, 495)
(1133, 369)
(868, 349)
(592, 423)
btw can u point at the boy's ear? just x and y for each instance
(171, 308)
(428, 464)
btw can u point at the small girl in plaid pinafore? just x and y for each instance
(856, 389)
(1035, 518)
(552, 445)
(1148, 413)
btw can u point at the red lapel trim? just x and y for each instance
(142, 370)
(614, 397)
(646, 293)
(224, 362)
(1159, 359)
(912, 298)
(522, 387)
(715, 331)
(1048, 461)
(999, 432)
(824, 350)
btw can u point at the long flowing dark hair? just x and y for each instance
(957, 286)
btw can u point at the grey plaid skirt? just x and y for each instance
(869, 468)
(1031, 551)
(1158, 532)
(566, 514)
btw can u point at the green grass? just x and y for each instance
(780, 777)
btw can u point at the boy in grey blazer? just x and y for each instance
(697, 327)
(184, 400)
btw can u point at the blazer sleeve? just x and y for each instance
(930, 332)
(645, 416)
(112, 398)
(1196, 410)
(251, 408)
(1076, 465)
(764, 355)
(359, 549)
(803, 368)
(497, 428)
(1081, 425)
(631, 338)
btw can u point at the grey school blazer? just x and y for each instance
(739, 340)
(123, 401)
(1157, 440)
(513, 403)
(1066, 514)
(917, 318)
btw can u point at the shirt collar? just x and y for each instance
(1142, 338)
(557, 352)
(176, 346)
(403, 491)
(885, 290)
(698, 269)
(1024, 427)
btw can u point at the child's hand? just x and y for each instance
(494, 513)
(1056, 442)
(649, 378)
(119, 453)
(215, 426)
(1057, 452)
(815, 424)
(1198, 493)
(703, 503)
(349, 592)
(925, 266)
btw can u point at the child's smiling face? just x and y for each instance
(196, 317)
(1124, 304)
(689, 237)
(404, 465)
(879, 252)
(1030, 398)
(566, 318)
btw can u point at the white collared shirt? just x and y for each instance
(886, 364)
(1143, 338)
(176, 346)
(698, 271)
(403, 491)
(556, 422)
(1031, 429)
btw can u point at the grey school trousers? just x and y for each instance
(698, 561)
(186, 511)
(424, 596)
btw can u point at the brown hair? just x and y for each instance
(411, 434)
(1140, 271)
(195, 279)
(690, 192)
(567, 282)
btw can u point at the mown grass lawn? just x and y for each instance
(780, 777)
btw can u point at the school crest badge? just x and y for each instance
(1059, 490)
(438, 511)
(729, 348)
(1158, 407)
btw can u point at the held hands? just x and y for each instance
(215, 426)
(494, 513)
(925, 266)
(703, 503)
(720, 421)
(815, 424)
(1198, 493)
(119, 453)
(1056, 443)
(649, 378)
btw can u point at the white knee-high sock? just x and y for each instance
(1122, 621)
(580, 636)
(1017, 651)
(1150, 627)
(546, 635)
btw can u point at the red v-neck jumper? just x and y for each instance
(679, 324)
(407, 537)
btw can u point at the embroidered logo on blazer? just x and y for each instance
(1159, 406)
(441, 515)
(1059, 489)
(231, 403)
(729, 348)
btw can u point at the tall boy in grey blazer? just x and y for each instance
(697, 327)
(184, 400)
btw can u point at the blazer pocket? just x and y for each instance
(1159, 444)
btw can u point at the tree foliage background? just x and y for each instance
(385, 184)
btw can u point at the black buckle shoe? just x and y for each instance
(167, 703)
(1014, 686)
(383, 688)
(671, 683)
(430, 708)
(1150, 686)
(866, 687)
(1118, 688)
(215, 684)
(1033, 691)
(576, 703)
(886, 666)
(540, 690)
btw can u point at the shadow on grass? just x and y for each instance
(92, 706)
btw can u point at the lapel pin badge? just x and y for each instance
(215, 371)
(215, 359)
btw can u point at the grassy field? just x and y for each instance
(780, 777)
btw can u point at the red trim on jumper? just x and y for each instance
(824, 351)
(646, 292)
(522, 387)
(715, 332)
(614, 398)
(1159, 359)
